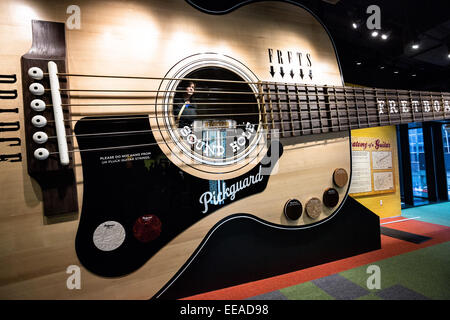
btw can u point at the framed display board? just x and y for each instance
(372, 166)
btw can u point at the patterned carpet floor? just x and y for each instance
(408, 269)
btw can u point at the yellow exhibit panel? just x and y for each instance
(375, 177)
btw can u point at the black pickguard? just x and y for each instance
(120, 189)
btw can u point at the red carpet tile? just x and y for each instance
(389, 247)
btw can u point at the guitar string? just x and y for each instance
(297, 94)
(288, 122)
(290, 112)
(228, 81)
(340, 127)
(295, 102)
(173, 142)
(310, 130)
(378, 122)
(358, 111)
(283, 92)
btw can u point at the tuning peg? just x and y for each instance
(37, 89)
(40, 137)
(41, 153)
(37, 105)
(38, 121)
(36, 73)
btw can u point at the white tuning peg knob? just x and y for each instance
(37, 89)
(41, 153)
(38, 121)
(40, 137)
(37, 105)
(36, 73)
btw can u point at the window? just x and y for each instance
(418, 167)
(446, 146)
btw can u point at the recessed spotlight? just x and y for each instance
(355, 25)
(381, 67)
(358, 63)
(448, 56)
(413, 75)
(384, 36)
(374, 34)
(396, 72)
(415, 46)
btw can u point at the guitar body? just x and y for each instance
(117, 187)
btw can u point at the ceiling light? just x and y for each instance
(358, 63)
(396, 72)
(355, 25)
(415, 46)
(374, 34)
(384, 36)
(413, 75)
(448, 56)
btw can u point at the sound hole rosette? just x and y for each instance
(170, 137)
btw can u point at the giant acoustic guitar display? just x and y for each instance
(108, 128)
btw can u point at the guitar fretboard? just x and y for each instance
(297, 110)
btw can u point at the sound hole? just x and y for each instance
(217, 119)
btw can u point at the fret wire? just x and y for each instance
(327, 107)
(346, 106)
(343, 110)
(378, 111)
(413, 113)
(399, 107)
(356, 107)
(299, 107)
(277, 92)
(309, 109)
(337, 107)
(421, 107)
(318, 109)
(290, 109)
(412, 107)
(388, 107)
(271, 106)
(365, 106)
(263, 104)
(432, 106)
(443, 105)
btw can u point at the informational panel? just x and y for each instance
(372, 167)
(361, 172)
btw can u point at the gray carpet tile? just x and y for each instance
(274, 295)
(340, 288)
(399, 292)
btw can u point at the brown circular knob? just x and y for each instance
(313, 208)
(340, 177)
(293, 209)
(330, 197)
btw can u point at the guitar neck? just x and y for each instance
(297, 110)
